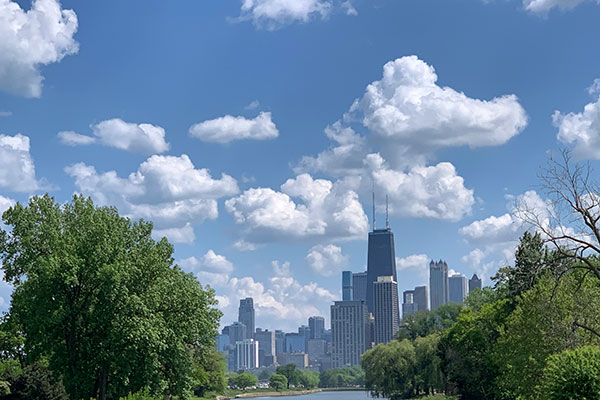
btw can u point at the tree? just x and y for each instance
(278, 382)
(37, 382)
(424, 323)
(208, 373)
(290, 372)
(245, 380)
(308, 379)
(101, 299)
(264, 375)
(428, 365)
(390, 370)
(572, 375)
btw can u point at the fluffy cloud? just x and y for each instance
(272, 14)
(228, 128)
(581, 130)
(17, 171)
(5, 204)
(542, 7)
(432, 192)
(167, 190)
(211, 268)
(349, 8)
(281, 268)
(305, 208)
(408, 110)
(418, 261)
(326, 260)
(137, 138)
(30, 39)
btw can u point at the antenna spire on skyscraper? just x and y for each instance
(387, 214)
(373, 207)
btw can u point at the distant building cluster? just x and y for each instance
(367, 315)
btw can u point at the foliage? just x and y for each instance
(543, 323)
(428, 371)
(245, 380)
(342, 377)
(308, 379)
(141, 395)
(100, 298)
(481, 296)
(278, 382)
(35, 382)
(264, 375)
(424, 323)
(467, 350)
(290, 372)
(572, 375)
(390, 370)
(208, 372)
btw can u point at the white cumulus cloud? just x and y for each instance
(167, 190)
(228, 128)
(146, 139)
(304, 208)
(17, 170)
(30, 39)
(326, 260)
(542, 7)
(5, 204)
(211, 268)
(273, 14)
(581, 130)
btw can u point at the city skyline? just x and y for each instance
(253, 137)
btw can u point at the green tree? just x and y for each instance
(428, 365)
(264, 375)
(37, 382)
(467, 350)
(480, 296)
(390, 370)
(424, 323)
(290, 372)
(278, 382)
(101, 299)
(208, 373)
(308, 379)
(572, 375)
(245, 380)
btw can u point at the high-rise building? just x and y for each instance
(246, 315)
(317, 327)
(359, 286)
(421, 298)
(474, 283)
(237, 332)
(266, 346)
(408, 303)
(385, 304)
(438, 283)
(295, 342)
(381, 260)
(279, 342)
(346, 285)
(316, 349)
(246, 353)
(458, 288)
(222, 342)
(348, 332)
(300, 360)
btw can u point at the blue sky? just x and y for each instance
(252, 131)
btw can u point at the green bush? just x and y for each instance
(572, 375)
(278, 382)
(141, 395)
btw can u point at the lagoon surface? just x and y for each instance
(341, 395)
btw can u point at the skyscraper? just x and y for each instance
(458, 288)
(266, 346)
(421, 298)
(348, 332)
(385, 304)
(359, 286)
(237, 332)
(246, 315)
(317, 327)
(408, 303)
(474, 283)
(246, 353)
(381, 260)
(438, 283)
(346, 285)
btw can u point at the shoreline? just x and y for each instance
(269, 394)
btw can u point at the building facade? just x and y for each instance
(266, 347)
(246, 354)
(359, 286)
(348, 332)
(458, 288)
(474, 283)
(438, 283)
(246, 315)
(421, 298)
(346, 285)
(386, 312)
(237, 332)
(317, 327)
(408, 303)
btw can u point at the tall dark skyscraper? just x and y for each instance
(386, 313)
(381, 260)
(246, 316)
(474, 283)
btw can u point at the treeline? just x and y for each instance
(535, 335)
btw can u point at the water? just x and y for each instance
(341, 395)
